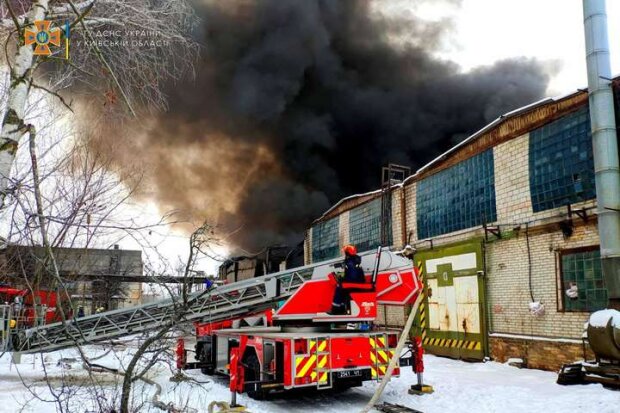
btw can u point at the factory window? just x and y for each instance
(561, 162)
(582, 285)
(325, 240)
(462, 196)
(365, 226)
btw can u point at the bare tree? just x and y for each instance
(94, 71)
(76, 200)
(123, 52)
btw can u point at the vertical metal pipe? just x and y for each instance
(403, 216)
(604, 142)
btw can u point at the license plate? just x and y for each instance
(349, 373)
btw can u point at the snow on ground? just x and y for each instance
(459, 387)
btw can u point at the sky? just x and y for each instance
(485, 31)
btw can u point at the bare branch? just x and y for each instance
(13, 16)
(55, 94)
(102, 59)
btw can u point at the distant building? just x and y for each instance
(502, 222)
(92, 277)
(270, 260)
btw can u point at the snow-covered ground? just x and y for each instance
(459, 387)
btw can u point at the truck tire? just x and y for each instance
(252, 373)
(203, 350)
(205, 357)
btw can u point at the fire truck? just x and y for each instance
(298, 344)
(28, 307)
(272, 332)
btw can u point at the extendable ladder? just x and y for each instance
(223, 302)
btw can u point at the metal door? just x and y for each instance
(451, 319)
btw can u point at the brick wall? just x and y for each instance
(397, 218)
(512, 185)
(508, 284)
(507, 260)
(507, 281)
(308, 247)
(343, 231)
(391, 316)
(410, 214)
(537, 354)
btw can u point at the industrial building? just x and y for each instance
(505, 232)
(93, 278)
(269, 260)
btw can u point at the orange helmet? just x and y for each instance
(349, 249)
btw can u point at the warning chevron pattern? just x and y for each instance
(453, 343)
(422, 303)
(380, 356)
(313, 364)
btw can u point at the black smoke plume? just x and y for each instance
(299, 103)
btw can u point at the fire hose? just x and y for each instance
(395, 358)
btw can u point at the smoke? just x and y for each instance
(299, 103)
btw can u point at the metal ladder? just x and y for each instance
(224, 302)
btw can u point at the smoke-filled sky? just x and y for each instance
(296, 104)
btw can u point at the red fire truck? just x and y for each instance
(297, 344)
(24, 305)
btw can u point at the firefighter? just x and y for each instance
(353, 273)
(209, 283)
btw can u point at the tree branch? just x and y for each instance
(51, 92)
(103, 60)
(13, 16)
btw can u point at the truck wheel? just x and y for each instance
(251, 374)
(204, 349)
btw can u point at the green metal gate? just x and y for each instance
(451, 316)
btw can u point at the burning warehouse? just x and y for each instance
(251, 124)
(506, 234)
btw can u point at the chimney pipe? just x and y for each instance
(604, 143)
